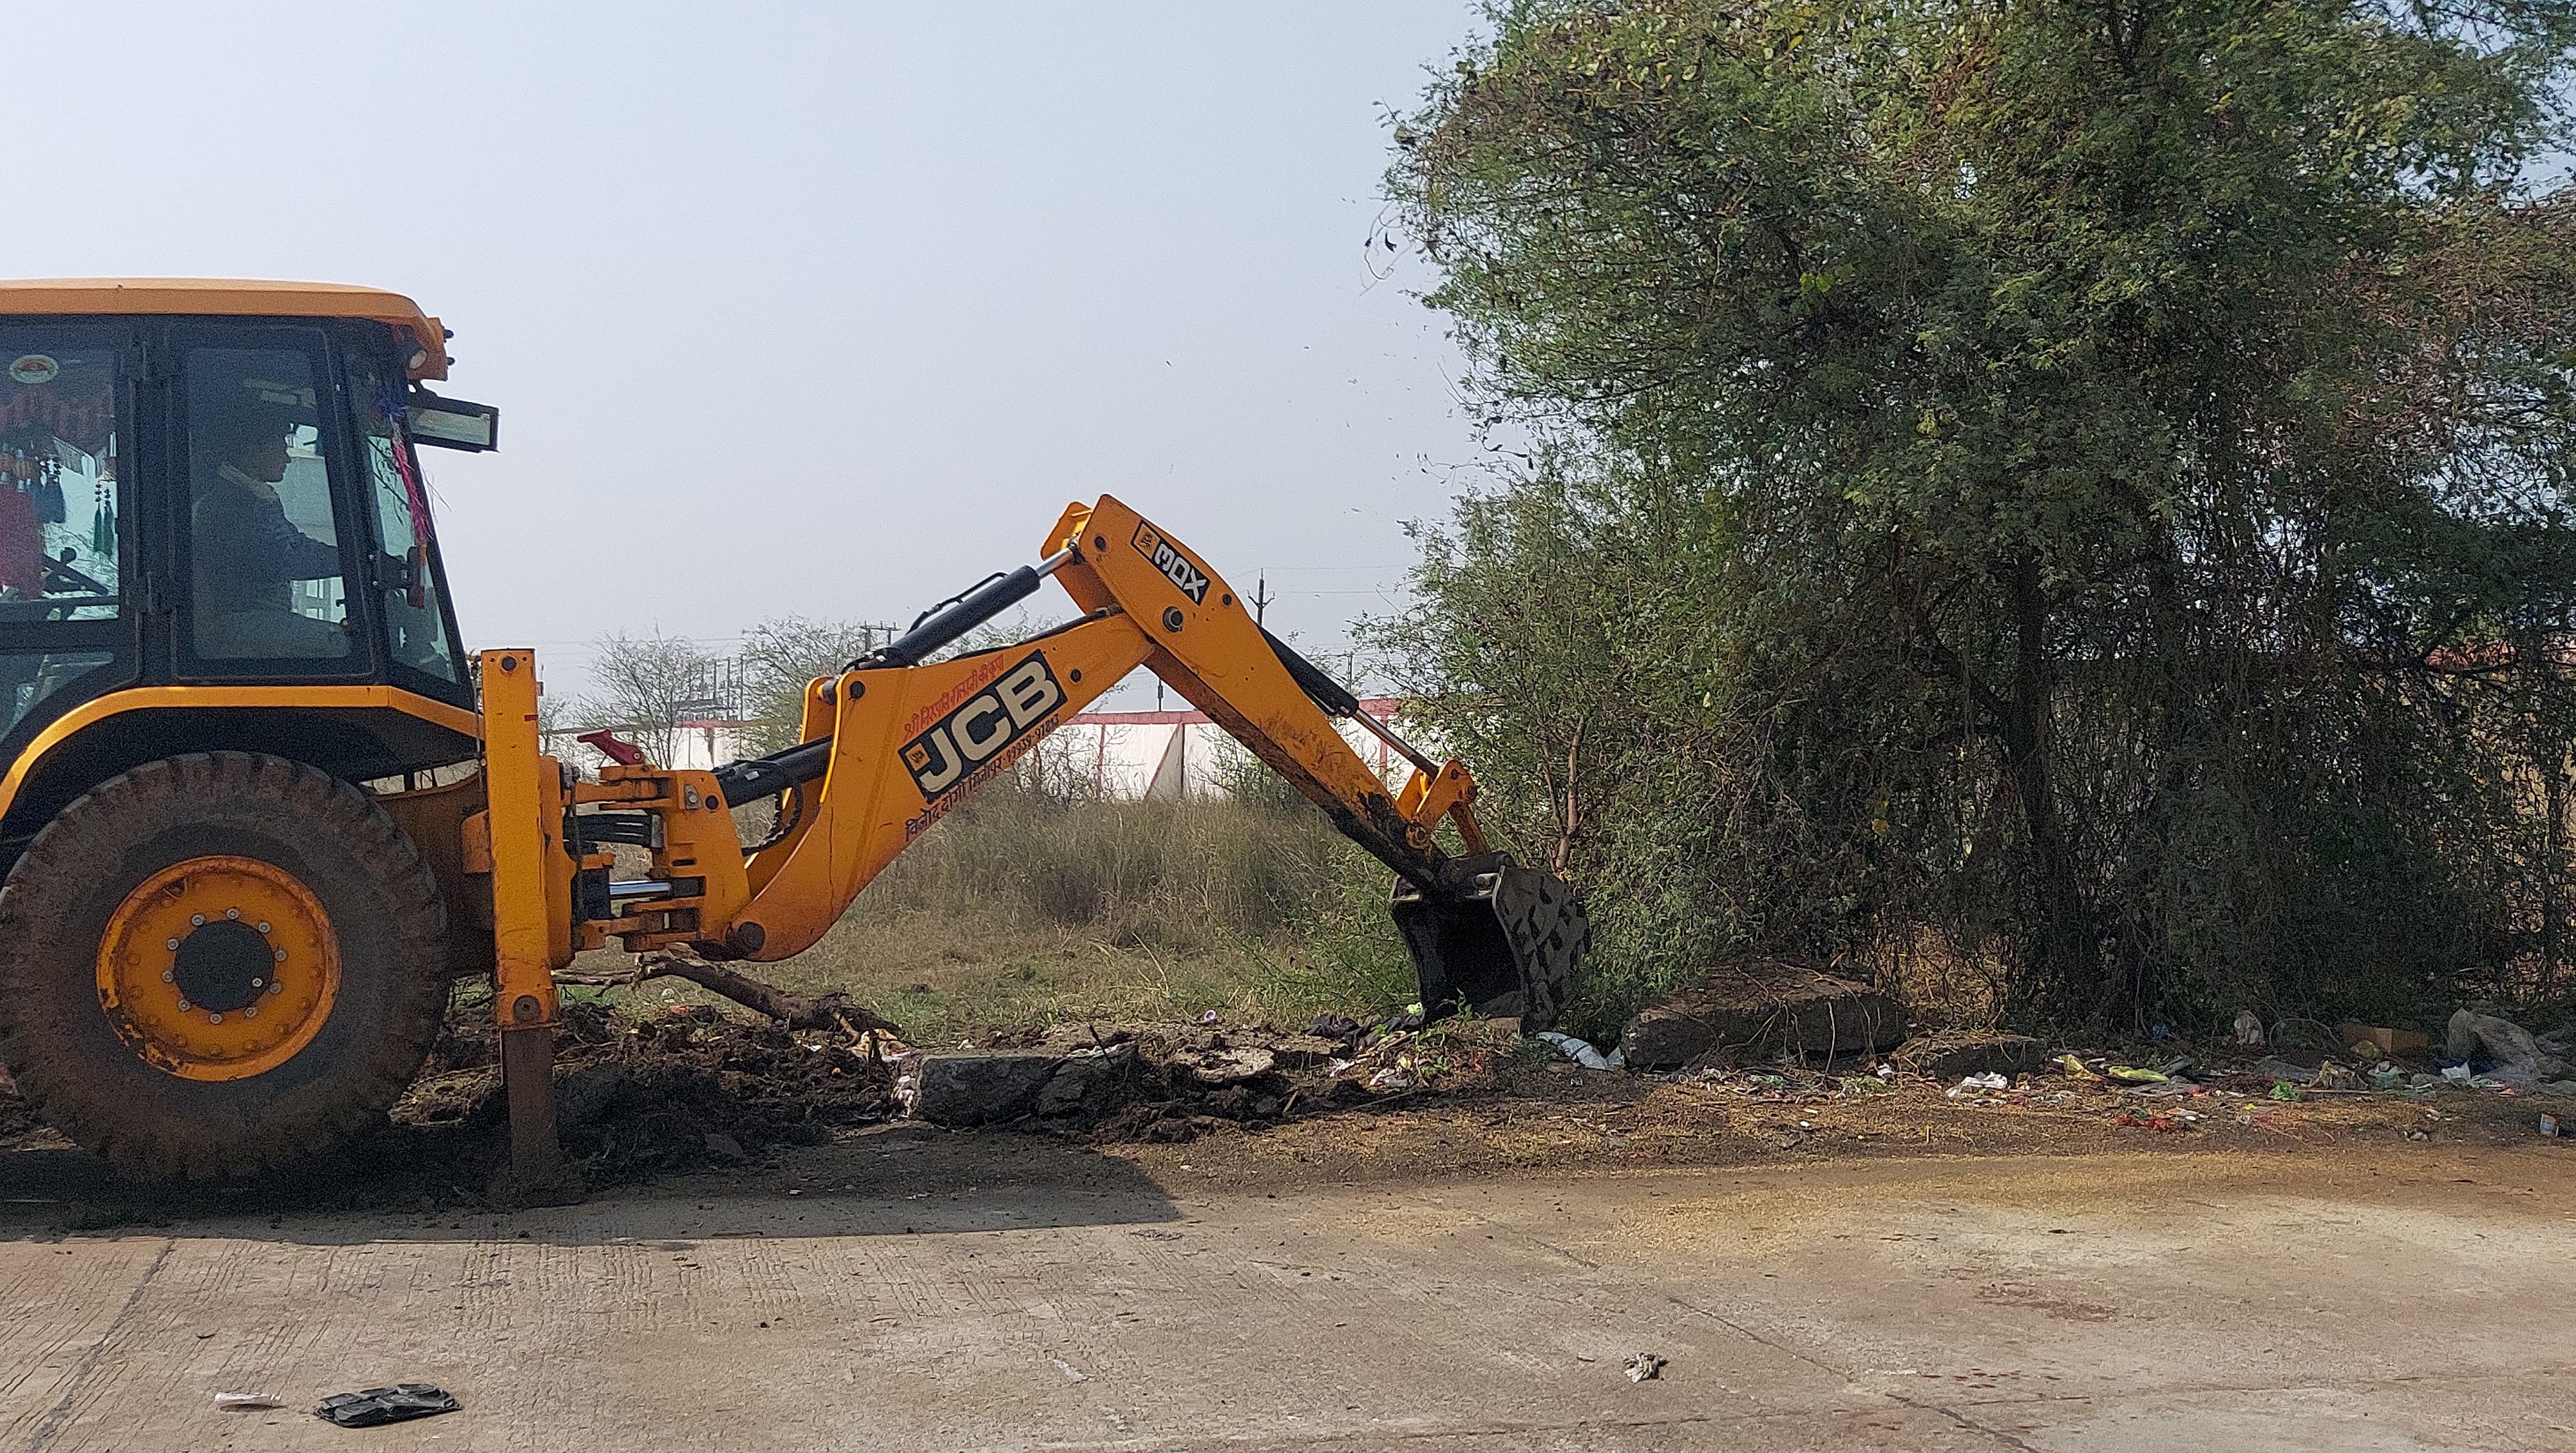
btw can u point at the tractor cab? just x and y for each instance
(214, 531)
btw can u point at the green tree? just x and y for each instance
(2076, 487)
(781, 655)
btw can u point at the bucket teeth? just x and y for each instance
(1506, 945)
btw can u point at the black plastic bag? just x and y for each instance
(377, 1405)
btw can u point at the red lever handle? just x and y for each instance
(624, 754)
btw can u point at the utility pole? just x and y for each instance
(1260, 596)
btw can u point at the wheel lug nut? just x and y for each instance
(275, 985)
(169, 976)
(185, 1006)
(171, 944)
(263, 925)
(196, 920)
(281, 956)
(251, 1013)
(256, 983)
(214, 1019)
(232, 913)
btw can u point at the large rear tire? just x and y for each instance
(217, 964)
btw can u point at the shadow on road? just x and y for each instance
(428, 1183)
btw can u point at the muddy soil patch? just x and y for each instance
(1519, 1118)
(678, 1089)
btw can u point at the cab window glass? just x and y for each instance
(58, 476)
(266, 581)
(413, 619)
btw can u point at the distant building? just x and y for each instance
(1167, 755)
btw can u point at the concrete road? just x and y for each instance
(993, 1292)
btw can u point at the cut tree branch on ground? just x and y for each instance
(825, 1011)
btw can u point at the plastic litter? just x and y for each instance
(1974, 1083)
(2549, 1126)
(379, 1405)
(2519, 1058)
(2074, 1068)
(1336, 1026)
(245, 1402)
(1645, 1365)
(2249, 1029)
(2131, 1075)
(2456, 1074)
(1582, 1053)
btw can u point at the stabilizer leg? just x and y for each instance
(525, 794)
(538, 1174)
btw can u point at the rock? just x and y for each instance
(1764, 1008)
(966, 1088)
(1225, 1065)
(1950, 1058)
(725, 1147)
(1305, 1052)
(1063, 1093)
(2519, 1058)
(1075, 1038)
(1089, 1083)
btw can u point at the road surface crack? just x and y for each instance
(44, 1433)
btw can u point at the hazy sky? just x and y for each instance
(818, 309)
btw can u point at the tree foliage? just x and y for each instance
(2073, 490)
(641, 686)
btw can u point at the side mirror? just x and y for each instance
(452, 423)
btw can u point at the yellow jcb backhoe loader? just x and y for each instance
(260, 808)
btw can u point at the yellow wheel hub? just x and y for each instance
(218, 968)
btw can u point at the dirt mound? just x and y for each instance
(678, 1089)
(1759, 1010)
(1172, 1083)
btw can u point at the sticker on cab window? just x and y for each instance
(34, 368)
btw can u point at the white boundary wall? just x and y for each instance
(1118, 754)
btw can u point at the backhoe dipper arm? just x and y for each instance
(891, 746)
(1266, 696)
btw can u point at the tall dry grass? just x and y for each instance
(1030, 906)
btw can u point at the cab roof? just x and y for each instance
(231, 298)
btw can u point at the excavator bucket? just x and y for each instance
(1506, 945)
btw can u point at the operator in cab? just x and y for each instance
(249, 555)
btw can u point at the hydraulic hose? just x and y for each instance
(758, 777)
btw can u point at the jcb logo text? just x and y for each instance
(975, 733)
